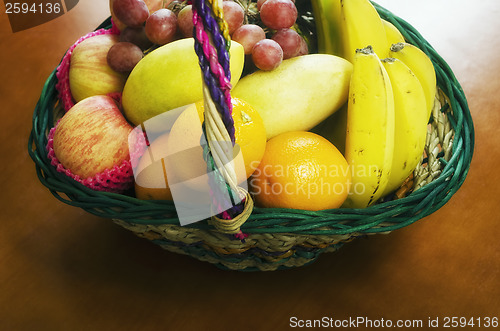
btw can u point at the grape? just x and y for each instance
(123, 56)
(260, 3)
(234, 15)
(289, 40)
(304, 49)
(185, 21)
(267, 54)
(136, 36)
(131, 12)
(278, 14)
(248, 35)
(161, 26)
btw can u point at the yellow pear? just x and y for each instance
(168, 78)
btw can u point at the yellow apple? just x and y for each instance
(89, 72)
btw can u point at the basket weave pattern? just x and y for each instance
(282, 238)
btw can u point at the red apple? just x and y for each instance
(89, 72)
(92, 137)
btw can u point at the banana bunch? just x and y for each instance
(410, 129)
(391, 96)
(420, 64)
(394, 36)
(328, 33)
(369, 145)
(346, 25)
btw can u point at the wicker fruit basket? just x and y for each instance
(280, 238)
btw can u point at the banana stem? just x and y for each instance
(388, 60)
(397, 47)
(367, 50)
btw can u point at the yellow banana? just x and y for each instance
(394, 36)
(362, 26)
(327, 18)
(370, 129)
(410, 129)
(421, 65)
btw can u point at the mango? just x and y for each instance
(170, 77)
(299, 94)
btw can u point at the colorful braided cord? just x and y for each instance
(212, 48)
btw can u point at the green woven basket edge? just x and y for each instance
(130, 209)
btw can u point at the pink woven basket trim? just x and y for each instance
(117, 180)
(62, 72)
(114, 29)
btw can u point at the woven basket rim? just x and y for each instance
(382, 217)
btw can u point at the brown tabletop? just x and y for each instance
(62, 268)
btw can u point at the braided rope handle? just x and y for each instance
(212, 44)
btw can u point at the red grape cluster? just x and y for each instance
(279, 17)
(144, 29)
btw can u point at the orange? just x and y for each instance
(249, 132)
(184, 143)
(301, 170)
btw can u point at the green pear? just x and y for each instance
(170, 77)
(299, 94)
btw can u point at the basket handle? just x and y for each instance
(212, 43)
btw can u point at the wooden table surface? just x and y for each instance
(64, 269)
